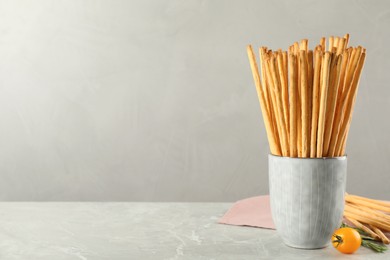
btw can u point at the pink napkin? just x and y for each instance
(255, 212)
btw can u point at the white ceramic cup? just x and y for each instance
(307, 198)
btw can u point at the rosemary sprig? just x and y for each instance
(378, 247)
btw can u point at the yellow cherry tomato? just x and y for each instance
(346, 240)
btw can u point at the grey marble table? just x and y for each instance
(62, 230)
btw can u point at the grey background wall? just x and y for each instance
(154, 100)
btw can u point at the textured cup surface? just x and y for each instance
(307, 198)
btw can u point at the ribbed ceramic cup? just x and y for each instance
(307, 198)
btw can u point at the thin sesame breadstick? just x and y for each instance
(304, 102)
(267, 97)
(341, 45)
(315, 102)
(331, 42)
(336, 42)
(358, 211)
(331, 102)
(277, 90)
(350, 71)
(346, 37)
(285, 63)
(346, 96)
(296, 48)
(275, 115)
(323, 43)
(325, 66)
(293, 78)
(382, 236)
(304, 44)
(260, 93)
(299, 124)
(284, 88)
(364, 228)
(368, 210)
(351, 102)
(267, 93)
(299, 112)
(372, 205)
(367, 220)
(355, 56)
(310, 75)
(340, 104)
(342, 142)
(379, 202)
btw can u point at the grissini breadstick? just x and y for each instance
(304, 102)
(285, 63)
(279, 102)
(350, 106)
(379, 202)
(271, 103)
(346, 37)
(367, 220)
(336, 42)
(341, 45)
(331, 102)
(293, 78)
(267, 97)
(267, 121)
(304, 45)
(296, 48)
(382, 236)
(331, 42)
(284, 88)
(350, 103)
(323, 43)
(339, 106)
(299, 124)
(350, 67)
(377, 213)
(315, 102)
(299, 112)
(367, 204)
(350, 71)
(364, 214)
(303, 136)
(285, 66)
(276, 108)
(275, 114)
(325, 66)
(310, 75)
(364, 228)
(341, 147)
(286, 102)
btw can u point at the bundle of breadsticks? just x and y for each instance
(371, 216)
(307, 96)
